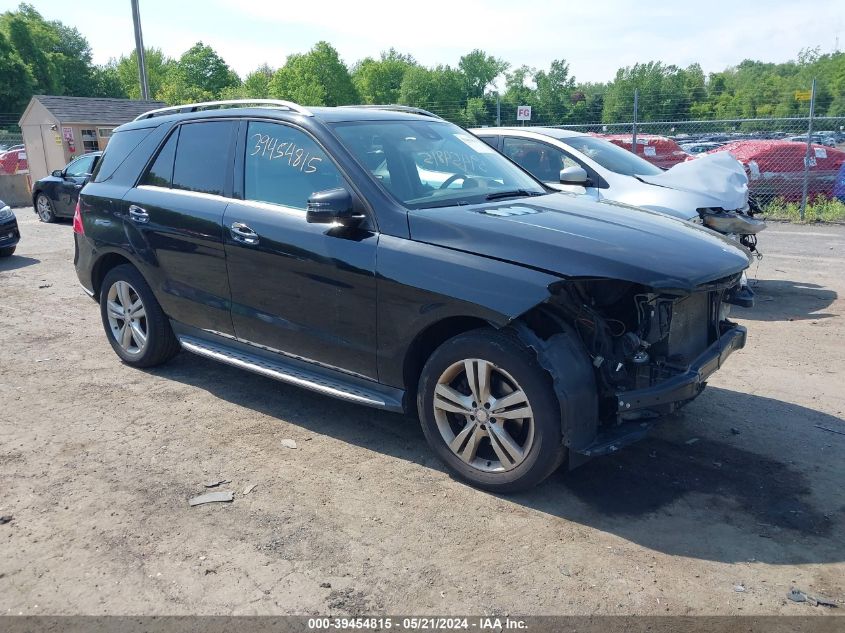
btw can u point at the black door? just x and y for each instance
(308, 290)
(73, 178)
(174, 223)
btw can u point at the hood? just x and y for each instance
(572, 236)
(718, 178)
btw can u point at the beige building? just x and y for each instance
(58, 129)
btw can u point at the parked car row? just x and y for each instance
(389, 258)
(776, 168)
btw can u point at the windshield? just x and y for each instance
(426, 164)
(611, 156)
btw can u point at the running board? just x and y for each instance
(299, 373)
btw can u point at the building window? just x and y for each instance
(89, 141)
(105, 132)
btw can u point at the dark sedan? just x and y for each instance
(55, 196)
(9, 234)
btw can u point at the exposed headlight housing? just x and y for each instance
(6, 213)
(731, 222)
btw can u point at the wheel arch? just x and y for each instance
(428, 340)
(103, 265)
(35, 194)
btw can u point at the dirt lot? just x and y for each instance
(98, 460)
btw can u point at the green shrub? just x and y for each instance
(820, 209)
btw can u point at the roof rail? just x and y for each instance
(194, 107)
(395, 107)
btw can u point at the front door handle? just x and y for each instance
(243, 234)
(137, 214)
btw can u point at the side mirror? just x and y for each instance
(333, 206)
(574, 176)
(57, 173)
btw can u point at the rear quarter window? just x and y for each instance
(120, 146)
(203, 155)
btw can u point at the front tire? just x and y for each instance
(489, 411)
(8, 251)
(136, 327)
(44, 208)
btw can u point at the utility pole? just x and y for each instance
(806, 182)
(634, 126)
(139, 51)
(498, 111)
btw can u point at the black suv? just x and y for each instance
(392, 259)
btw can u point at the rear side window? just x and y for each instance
(285, 166)
(120, 146)
(203, 156)
(492, 141)
(160, 173)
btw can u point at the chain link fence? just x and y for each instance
(790, 142)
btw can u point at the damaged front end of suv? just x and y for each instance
(650, 352)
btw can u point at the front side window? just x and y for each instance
(426, 164)
(203, 156)
(543, 161)
(285, 166)
(611, 157)
(82, 166)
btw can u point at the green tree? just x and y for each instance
(257, 83)
(59, 57)
(201, 69)
(518, 91)
(480, 71)
(439, 89)
(554, 93)
(16, 81)
(20, 37)
(666, 93)
(317, 77)
(106, 82)
(159, 67)
(380, 81)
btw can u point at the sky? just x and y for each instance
(596, 37)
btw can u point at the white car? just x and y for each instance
(712, 190)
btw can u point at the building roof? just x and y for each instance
(98, 110)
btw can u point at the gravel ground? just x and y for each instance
(721, 511)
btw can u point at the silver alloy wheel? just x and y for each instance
(483, 415)
(42, 206)
(127, 317)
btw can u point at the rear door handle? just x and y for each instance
(243, 234)
(137, 214)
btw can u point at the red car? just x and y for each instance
(776, 168)
(13, 160)
(658, 150)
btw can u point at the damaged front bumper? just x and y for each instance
(687, 384)
(662, 398)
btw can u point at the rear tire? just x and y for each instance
(8, 251)
(135, 325)
(489, 411)
(44, 208)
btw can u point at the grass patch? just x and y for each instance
(820, 209)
